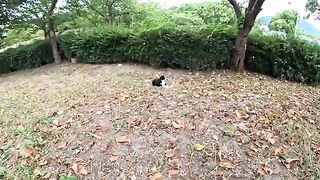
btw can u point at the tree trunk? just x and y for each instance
(52, 34)
(239, 51)
(110, 15)
(54, 46)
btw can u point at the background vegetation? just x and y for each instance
(193, 36)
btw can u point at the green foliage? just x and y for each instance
(158, 47)
(291, 59)
(287, 58)
(218, 13)
(313, 8)
(17, 35)
(25, 56)
(284, 21)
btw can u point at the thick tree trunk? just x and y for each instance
(54, 46)
(52, 34)
(239, 51)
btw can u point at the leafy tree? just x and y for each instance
(111, 11)
(246, 23)
(6, 13)
(313, 7)
(40, 14)
(210, 12)
(149, 15)
(284, 21)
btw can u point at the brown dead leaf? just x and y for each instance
(62, 145)
(270, 138)
(96, 128)
(198, 147)
(277, 150)
(261, 170)
(157, 176)
(99, 112)
(123, 139)
(292, 178)
(47, 176)
(75, 168)
(114, 158)
(238, 113)
(182, 123)
(43, 162)
(83, 171)
(167, 122)
(173, 162)
(37, 171)
(27, 152)
(173, 173)
(217, 173)
(176, 125)
(226, 164)
(169, 153)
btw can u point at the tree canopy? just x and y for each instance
(284, 21)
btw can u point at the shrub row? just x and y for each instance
(289, 58)
(25, 56)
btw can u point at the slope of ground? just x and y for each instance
(108, 122)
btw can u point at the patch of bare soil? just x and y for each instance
(108, 122)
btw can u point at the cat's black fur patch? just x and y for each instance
(159, 81)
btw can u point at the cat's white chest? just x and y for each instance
(163, 82)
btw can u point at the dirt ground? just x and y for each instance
(108, 122)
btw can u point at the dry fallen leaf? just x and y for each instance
(75, 168)
(173, 173)
(261, 170)
(123, 139)
(277, 150)
(62, 145)
(37, 171)
(168, 121)
(217, 173)
(83, 171)
(238, 114)
(27, 152)
(270, 138)
(114, 158)
(47, 176)
(176, 125)
(198, 147)
(226, 164)
(169, 153)
(157, 176)
(43, 162)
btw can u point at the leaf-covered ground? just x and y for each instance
(108, 122)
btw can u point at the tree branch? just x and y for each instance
(52, 7)
(236, 8)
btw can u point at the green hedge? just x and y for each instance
(26, 56)
(289, 58)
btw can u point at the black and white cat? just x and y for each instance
(159, 81)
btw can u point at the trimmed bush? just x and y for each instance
(291, 59)
(26, 56)
(287, 58)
